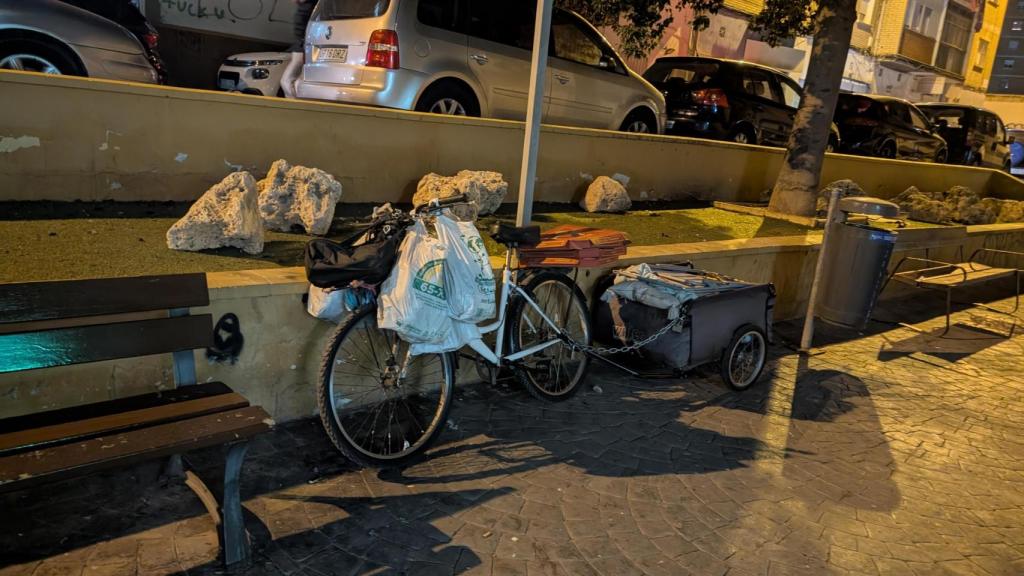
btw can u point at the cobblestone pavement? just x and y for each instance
(892, 453)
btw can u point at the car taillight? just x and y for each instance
(383, 49)
(711, 97)
(151, 39)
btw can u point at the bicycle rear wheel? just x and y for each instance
(379, 405)
(556, 372)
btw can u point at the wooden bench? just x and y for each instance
(52, 324)
(946, 276)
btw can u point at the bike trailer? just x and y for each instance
(681, 318)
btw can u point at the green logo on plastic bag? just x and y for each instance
(430, 279)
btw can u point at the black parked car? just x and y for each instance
(125, 13)
(887, 127)
(976, 137)
(728, 100)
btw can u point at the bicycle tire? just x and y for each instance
(347, 441)
(519, 314)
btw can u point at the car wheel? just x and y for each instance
(743, 136)
(448, 99)
(639, 122)
(32, 55)
(941, 156)
(888, 150)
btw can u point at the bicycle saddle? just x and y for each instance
(513, 236)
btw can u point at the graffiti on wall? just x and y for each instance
(268, 20)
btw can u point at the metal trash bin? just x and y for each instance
(856, 261)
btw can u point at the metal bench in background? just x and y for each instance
(947, 276)
(54, 324)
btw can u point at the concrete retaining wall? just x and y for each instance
(279, 362)
(64, 138)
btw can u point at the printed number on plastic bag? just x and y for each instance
(413, 300)
(469, 279)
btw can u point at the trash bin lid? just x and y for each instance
(869, 205)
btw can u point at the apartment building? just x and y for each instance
(921, 50)
(1007, 75)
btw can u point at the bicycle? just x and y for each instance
(382, 406)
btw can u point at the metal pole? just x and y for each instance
(534, 111)
(808, 335)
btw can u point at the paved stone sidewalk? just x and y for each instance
(894, 453)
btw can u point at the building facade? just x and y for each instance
(1007, 75)
(921, 50)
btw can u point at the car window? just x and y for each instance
(572, 43)
(346, 9)
(954, 117)
(918, 119)
(859, 107)
(790, 93)
(759, 83)
(988, 124)
(694, 73)
(507, 22)
(439, 13)
(1000, 129)
(898, 112)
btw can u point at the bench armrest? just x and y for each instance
(994, 251)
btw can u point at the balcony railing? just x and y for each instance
(917, 46)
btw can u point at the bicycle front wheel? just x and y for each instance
(379, 405)
(555, 372)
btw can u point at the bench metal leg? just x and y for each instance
(236, 542)
(226, 512)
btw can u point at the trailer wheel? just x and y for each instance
(743, 359)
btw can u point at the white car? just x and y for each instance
(256, 73)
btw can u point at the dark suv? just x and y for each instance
(887, 127)
(728, 100)
(976, 137)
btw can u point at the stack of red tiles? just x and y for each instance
(572, 246)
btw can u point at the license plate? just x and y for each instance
(331, 54)
(226, 84)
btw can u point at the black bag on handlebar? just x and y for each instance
(331, 264)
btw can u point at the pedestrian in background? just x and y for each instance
(303, 10)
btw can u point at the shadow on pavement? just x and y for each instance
(631, 428)
(386, 535)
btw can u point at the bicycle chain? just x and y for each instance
(635, 346)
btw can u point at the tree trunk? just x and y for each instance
(796, 189)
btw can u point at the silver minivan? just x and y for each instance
(471, 57)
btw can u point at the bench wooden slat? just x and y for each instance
(115, 406)
(979, 274)
(34, 301)
(58, 462)
(91, 427)
(93, 343)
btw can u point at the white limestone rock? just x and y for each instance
(298, 196)
(484, 189)
(227, 215)
(606, 195)
(845, 187)
(1011, 211)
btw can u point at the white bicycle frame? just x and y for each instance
(507, 287)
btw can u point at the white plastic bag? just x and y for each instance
(413, 300)
(469, 278)
(462, 333)
(325, 303)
